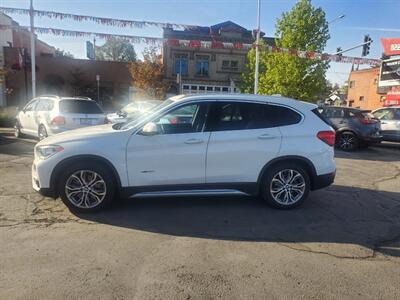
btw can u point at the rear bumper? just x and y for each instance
(321, 181)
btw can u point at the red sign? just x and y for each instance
(393, 97)
(391, 46)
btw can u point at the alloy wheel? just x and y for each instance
(85, 189)
(42, 132)
(287, 187)
(347, 142)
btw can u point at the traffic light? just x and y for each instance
(367, 45)
(338, 50)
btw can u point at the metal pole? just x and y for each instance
(354, 47)
(33, 55)
(257, 48)
(94, 48)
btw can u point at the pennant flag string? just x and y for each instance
(98, 20)
(199, 44)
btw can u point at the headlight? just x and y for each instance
(44, 152)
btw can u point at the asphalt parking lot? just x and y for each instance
(344, 242)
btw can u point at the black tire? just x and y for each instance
(347, 141)
(268, 186)
(17, 130)
(42, 132)
(67, 177)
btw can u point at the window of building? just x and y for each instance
(217, 89)
(382, 98)
(193, 87)
(209, 88)
(376, 81)
(202, 65)
(230, 65)
(202, 88)
(352, 84)
(225, 89)
(181, 64)
(351, 102)
(361, 98)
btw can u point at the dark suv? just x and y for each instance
(354, 127)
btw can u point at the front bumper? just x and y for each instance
(321, 181)
(47, 192)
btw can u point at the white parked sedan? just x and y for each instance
(133, 111)
(47, 115)
(273, 147)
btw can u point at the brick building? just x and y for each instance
(363, 89)
(211, 69)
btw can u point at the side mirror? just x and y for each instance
(150, 129)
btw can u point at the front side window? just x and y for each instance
(181, 64)
(202, 65)
(184, 119)
(31, 105)
(384, 114)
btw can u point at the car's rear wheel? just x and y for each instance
(286, 186)
(87, 187)
(347, 141)
(42, 132)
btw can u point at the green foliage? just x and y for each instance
(302, 28)
(116, 49)
(63, 53)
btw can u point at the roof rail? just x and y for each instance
(83, 97)
(48, 95)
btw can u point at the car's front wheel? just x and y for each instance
(17, 130)
(42, 132)
(286, 186)
(86, 187)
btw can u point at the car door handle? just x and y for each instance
(266, 136)
(193, 141)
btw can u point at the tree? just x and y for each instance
(116, 49)
(302, 28)
(63, 53)
(147, 75)
(54, 83)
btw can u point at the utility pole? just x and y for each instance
(33, 55)
(94, 48)
(257, 48)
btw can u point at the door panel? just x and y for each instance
(244, 137)
(26, 118)
(176, 155)
(167, 159)
(239, 155)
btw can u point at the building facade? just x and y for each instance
(363, 89)
(206, 70)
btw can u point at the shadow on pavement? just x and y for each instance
(13, 146)
(382, 152)
(338, 214)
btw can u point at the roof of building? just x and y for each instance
(216, 32)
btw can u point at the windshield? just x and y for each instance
(140, 106)
(79, 107)
(155, 110)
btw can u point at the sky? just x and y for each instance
(379, 18)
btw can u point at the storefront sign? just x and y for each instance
(390, 73)
(391, 46)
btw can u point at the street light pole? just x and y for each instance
(338, 18)
(257, 48)
(33, 55)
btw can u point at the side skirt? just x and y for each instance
(205, 189)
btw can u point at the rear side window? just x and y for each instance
(45, 105)
(226, 116)
(80, 107)
(319, 112)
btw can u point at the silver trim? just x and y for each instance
(211, 192)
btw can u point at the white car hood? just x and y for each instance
(84, 133)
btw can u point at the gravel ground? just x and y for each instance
(344, 242)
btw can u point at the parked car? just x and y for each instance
(49, 115)
(355, 128)
(133, 111)
(273, 147)
(390, 122)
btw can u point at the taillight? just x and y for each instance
(366, 121)
(58, 121)
(327, 137)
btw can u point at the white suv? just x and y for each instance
(274, 147)
(48, 115)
